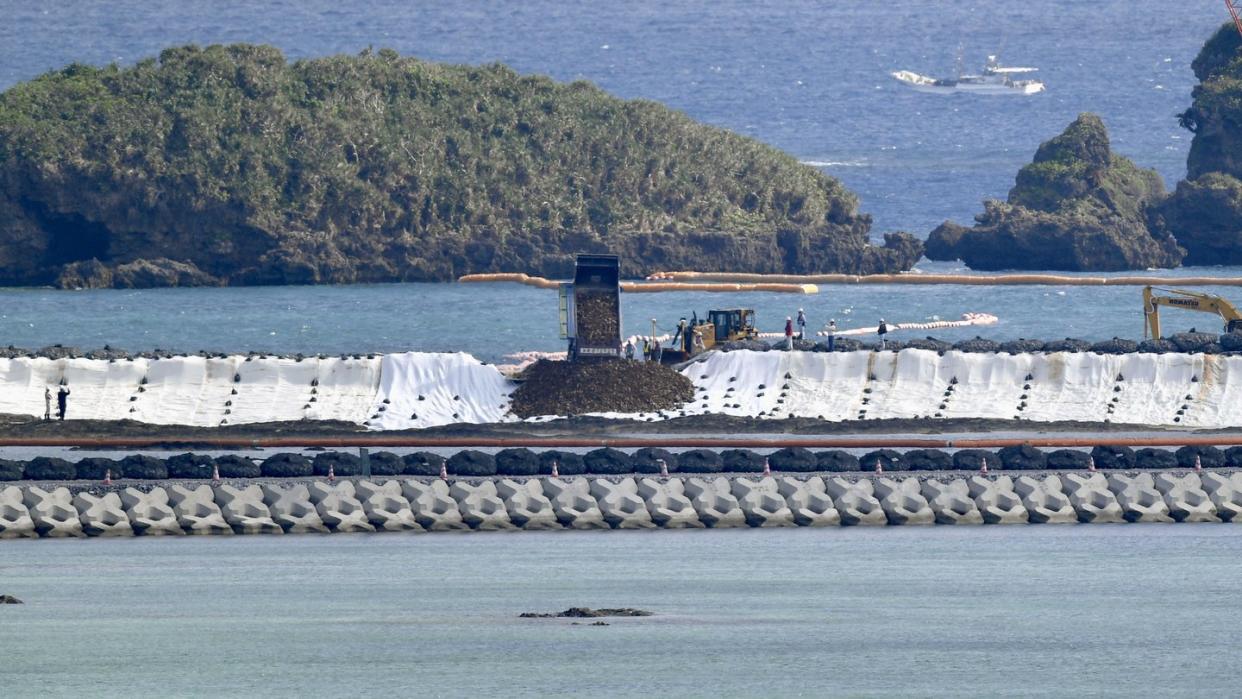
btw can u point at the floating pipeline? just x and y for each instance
(648, 287)
(646, 502)
(419, 390)
(952, 279)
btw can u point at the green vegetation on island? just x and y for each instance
(229, 165)
(1077, 206)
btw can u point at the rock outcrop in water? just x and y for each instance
(1205, 210)
(228, 165)
(1077, 207)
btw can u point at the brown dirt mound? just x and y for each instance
(574, 388)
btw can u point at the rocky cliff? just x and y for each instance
(229, 165)
(1078, 206)
(1205, 210)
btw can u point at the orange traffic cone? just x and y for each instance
(215, 473)
(879, 466)
(1198, 464)
(107, 477)
(983, 469)
(663, 468)
(1091, 463)
(767, 468)
(331, 473)
(556, 470)
(443, 470)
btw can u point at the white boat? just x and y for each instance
(995, 79)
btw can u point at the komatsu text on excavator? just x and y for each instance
(1189, 300)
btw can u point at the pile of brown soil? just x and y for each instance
(574, 388)
(597, 318)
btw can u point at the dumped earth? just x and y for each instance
(597, 318)
(585, 613)
(574, 388)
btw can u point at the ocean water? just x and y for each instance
(808, 76)
(492, 320)
(1099, 610)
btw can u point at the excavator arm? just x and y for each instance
(1188, 300)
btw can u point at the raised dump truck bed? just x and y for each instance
(594, 308)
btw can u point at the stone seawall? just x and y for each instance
(643, 502)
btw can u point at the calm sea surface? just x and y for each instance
(1121, 610)
(1118, 610)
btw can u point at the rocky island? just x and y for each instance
(230, 165)
(1205, 210)
(1078, 206)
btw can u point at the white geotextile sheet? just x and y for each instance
(423, 389)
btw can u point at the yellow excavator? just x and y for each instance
(1189, 300)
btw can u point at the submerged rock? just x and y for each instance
(1077, 206)
(585, 613)
(10, 599)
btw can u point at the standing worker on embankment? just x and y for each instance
(62, 400)
(831, 331)
(882, 331)
(801, 324)
(788, 332)
(47, 402)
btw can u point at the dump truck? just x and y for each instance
(720, 326)
(590, 308)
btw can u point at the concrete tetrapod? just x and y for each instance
(197, 511)
(761, 502)
(667, 503)
(950, 501)
(1138, 498)
(102, 515)
(338, 507)
(244, 510)
(52, 511)
(1186, 498)
(385, 506)
(903, 501)
(620, 504)
(292, 509)
(1045, 500)
(996, 500)
(855, 501)
(528, 507)
(149, 513)
(573, 504)
(809, 501)
(480, 505)
(433, 507)
(1091, 498)
(15, 520)
(713, 501)
(1225, 490)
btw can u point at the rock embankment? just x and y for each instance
(645, 502)
(586, 613)
(1185, 343)
(377, 167)
(1078, 207)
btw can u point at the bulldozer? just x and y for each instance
(1189, 300)
(720, 326)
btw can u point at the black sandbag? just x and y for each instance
(927, 460)
(1209, 456)
(1113, 457)
(741, 461)
(286, 465)
(1068, 460)
(1155, 459)
(1022, 458)
(793, 459)
(144, 467)
(422, 463)
(891, 460)
(95, 468)
(836, 461)
(567, 462)
(471, 462)
(973, 459)
(342, 463)
(197, 466)
(699, 461)
(385, 463)
(517, 462)
(647, 460)
(608, 461)
(235, 466)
